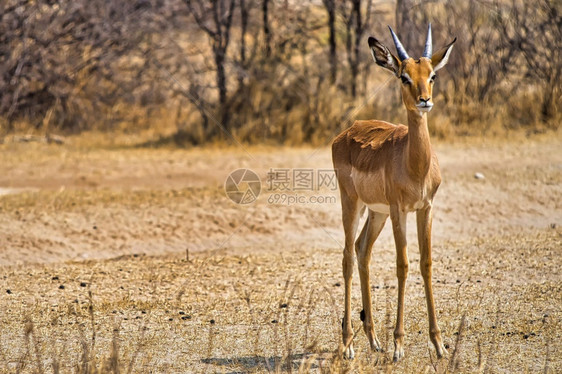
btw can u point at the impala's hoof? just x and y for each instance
(441, 351)
(376, 346)
(349, 353)
(398, 354)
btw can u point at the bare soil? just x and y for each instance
(134, 258)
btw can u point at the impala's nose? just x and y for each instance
(424, 105)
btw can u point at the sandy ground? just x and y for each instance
(91, 204)
(151, 233)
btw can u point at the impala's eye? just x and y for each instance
(405, 80)
(432, 79)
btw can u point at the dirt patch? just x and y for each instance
(94, 204)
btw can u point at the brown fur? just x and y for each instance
(366, 140)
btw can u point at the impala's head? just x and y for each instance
(417, 76)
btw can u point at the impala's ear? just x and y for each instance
(440, 58)
(383, 57)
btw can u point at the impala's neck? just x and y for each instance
(418, 155)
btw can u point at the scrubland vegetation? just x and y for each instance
(270, 71)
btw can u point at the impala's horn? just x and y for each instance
(428, 44)
(402, 55)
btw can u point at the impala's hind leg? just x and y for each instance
(363, 247)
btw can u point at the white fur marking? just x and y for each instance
(390, 61)
(389, 58)
(379, 208)
(373, 54)
(385, 209)
(405, 75)
(444, 60)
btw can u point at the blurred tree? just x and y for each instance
(260, 66)
(403, 16)
(245, 6)
(62, 62)
(266, 27)
(215, 19)
(536, 33)
(330, 6)
(355, 25)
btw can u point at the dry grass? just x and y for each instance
(265, 311)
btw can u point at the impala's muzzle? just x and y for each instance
(424, 105)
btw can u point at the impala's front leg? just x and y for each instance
(424, 238)
(347, 328)
(350, 217)
(398, 218)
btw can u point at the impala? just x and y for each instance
(391, 170)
